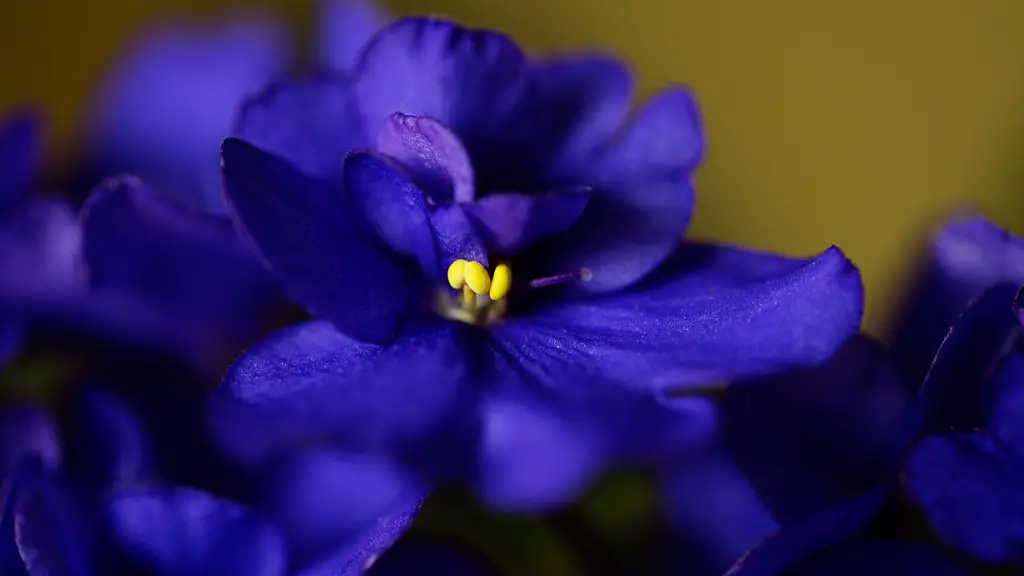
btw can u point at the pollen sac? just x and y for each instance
(457, 274)
(476, 277)
(501, 282)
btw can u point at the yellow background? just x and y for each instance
(858, 123)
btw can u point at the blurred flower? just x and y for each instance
(466, 163)
(166, 105)
(955, 456)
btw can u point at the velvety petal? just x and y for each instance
(394, 206)
(432, 154)
(710, 503)
(320, 249)
(181, 531)
(421, 554)
(310, 382)
(27, 431)
(109, 446)
(788, 548)
(969, 488)
(809, 438)
(469, 80)
(1004, 405)
(969, 255)
(20, 155)
(48, 529)
(457, 236)
(585, 98)
(167, 105)
(362, 551)
(711, 314)
(642, 197)
(508, 221)
(311, 123)
(193, 265)
(345, 26)
(883, 558)
(320, 497)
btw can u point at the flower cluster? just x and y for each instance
(292, 311)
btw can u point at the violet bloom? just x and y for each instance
(166, 105)
(490, 250)
(954, 456)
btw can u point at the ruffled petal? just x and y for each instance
(167, 105)
(310, 382)
(181, 531)
(194, 266)
(434, 157)
(320, 249)
(345, 26)
(394, 207)
(361, 551)
(27, 431)
(969, 488)
(642, 197)
(711, 314)
(469, 80)
(883, 558)
(311, 123)
(509, 222)
(810, 438)
(320, 497)
(20, 155)
(969, 255)
(109, 446)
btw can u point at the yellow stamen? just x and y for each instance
(457, 274)
(501, 282)
(476, 277)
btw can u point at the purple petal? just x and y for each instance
(321, 497)
(456, 235)
(362, 551)
(810, 438)
(883, 557)
(319, 248)
(27, 431)
(509, 222)
(39, 247)
(969, 488)
(109, 446)
(20, 155)
(312, 123)
(469, 80)
(193, 265)
(393, 206)
(311, 382)
(1004, 406)
(345, 26)
(167, 105)
(642, 197)
(711, 314)
(789, 548)
(48, 529)
(182, 531)
(433, 156)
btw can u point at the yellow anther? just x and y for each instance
(501, 282)
(476, 277)
(457, 274)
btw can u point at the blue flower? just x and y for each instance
(166, 105)
(97, 505)
(495, 259)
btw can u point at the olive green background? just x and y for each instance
(854, 122)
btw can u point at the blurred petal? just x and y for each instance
(418, 554)
(1004, 405)
(310, 382)
(345, 26)
(362, 551)
(969, 488)
(642, 197)
(810, 438)
(967, 257)
(109, 446)
(883, 558)
(20, 155)
(192, 265)
(27, 431)
(711, 314)
(39, 247)
(469, 80)
(320, 497)
(317, 245)
(167, 105)
(312, 123)
(10, 338)
(510, 221)
(181, 531)
(48, 530)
